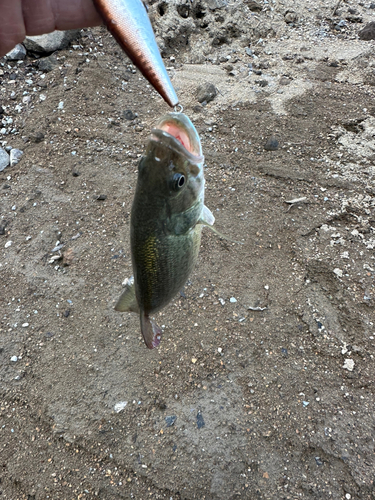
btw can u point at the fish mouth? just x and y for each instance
(177, 132)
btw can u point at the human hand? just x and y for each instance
(36, 17)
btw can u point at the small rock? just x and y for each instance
(17, 54)
(101, 197)
(368, 32)
(68, 257)
(120, 406)
(14, 359)
(170, 420)
(254, 6)
(233, 300)
(200, 421)
(8, 244)
(338, 272)
(129, 115)
(47, 64)
(15, 156)
(25, 325)
(272, 144)
(4, 159)
(36, 137)
(206, 92)
(290, 17)
(262, 83)
(216, 4)
(284, 81)
(348, 364)
(45, 44)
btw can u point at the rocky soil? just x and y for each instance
(263, 385)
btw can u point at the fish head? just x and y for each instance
(172, 167)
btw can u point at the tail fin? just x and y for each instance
(150, 330)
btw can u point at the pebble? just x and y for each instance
(25, 325)
(200, 421)
(120, 406)
(216, 4)
(36, 137)
(15, 156)
(8, 244)
(290, 17)
(233, 300)
(368, 32)
(338, 272)
(45, 44)
(4, 159)
(17, 54)
(206, 92)
(170, 420)
(222, 301)
(14, 359)
(254, 6)
(272, 144)
(47, 64)
(129, 115)
(348, 364)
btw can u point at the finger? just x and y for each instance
(36, 17)
(59, 15)
(12, 27)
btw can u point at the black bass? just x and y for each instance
(128, 22)
(167, 217)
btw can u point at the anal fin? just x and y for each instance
(128, 301)
(150, 330)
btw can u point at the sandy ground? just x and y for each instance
(263, 385)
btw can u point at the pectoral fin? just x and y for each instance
(128, 301)
(150, 330)
(207, 218)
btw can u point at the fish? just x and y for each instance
(128, 22)
(167, 217)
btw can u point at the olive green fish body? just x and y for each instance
(168, 214)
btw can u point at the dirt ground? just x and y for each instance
(263, 385)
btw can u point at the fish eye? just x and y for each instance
(178, 181)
